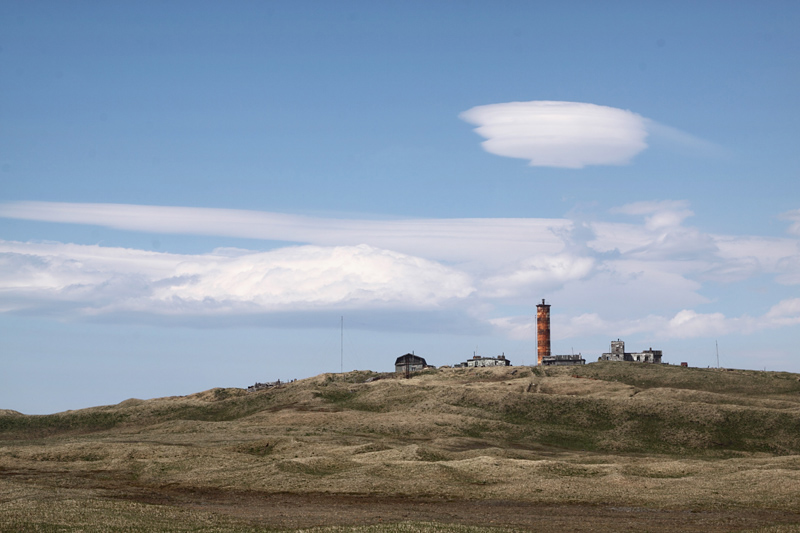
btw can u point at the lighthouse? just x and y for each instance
(543, 330)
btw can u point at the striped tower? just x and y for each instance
(543, 330)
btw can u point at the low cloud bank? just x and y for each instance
(647, 275)
(95, 280)
(684, 324)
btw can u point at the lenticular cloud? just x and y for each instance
(560, 134)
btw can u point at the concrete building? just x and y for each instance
(618, 353)
(480, 361)
(563, 360)
(405, 364)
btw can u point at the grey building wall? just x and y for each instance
(563, 360)
(479, 361)
(409, 363)
(618, 353)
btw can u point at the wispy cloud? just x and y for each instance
(794, 218)
(560, 134)
(682, 141)
(663, 214)
(497, 240)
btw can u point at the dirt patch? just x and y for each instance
(310, 510)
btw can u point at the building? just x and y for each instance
(542, 331)
(405, 364)
(618, 353)
(479, 361)
(563, 360)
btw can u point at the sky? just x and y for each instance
(209, 194)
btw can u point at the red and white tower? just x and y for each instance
(543, 330)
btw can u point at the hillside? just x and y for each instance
(622, 435)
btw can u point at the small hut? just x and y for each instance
(405, 364)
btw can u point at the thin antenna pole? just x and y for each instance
(341, 349)
(717, 344)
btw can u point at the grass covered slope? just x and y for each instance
(606, 433)
(611, 407)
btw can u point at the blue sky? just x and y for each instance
(192, 194)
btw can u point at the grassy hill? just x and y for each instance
(605, 434)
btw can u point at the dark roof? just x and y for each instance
(410, 359)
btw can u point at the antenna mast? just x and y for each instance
(717, 345)
(341, 349)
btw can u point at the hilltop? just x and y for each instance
(655, 439)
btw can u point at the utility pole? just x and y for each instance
(341, 349)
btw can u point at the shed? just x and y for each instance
(409, 363)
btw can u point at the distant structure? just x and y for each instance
(261, 386)
(542, 331)
(618, 353)
(479, 361)
(546, 358)
(563, 360)
(405, 364)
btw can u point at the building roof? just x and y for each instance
(410, 359)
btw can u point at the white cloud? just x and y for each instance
(785, 313)
(560, 134)
(628, 288)
(313, 276)
(685, 324)
(710, 257)
(494, 241)
(537, 275)
(648, 275)
(586, 324)
(788, 270)
(773, 255)
(96, 279)
(689, 324)
(663, 214)
(663, 235)
(644, 271)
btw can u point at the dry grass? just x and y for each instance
(613, 434)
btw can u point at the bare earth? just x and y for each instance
(309, 510)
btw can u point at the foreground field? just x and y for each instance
(606, 447)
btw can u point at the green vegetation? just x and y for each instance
(670, 410)
(729, 382)
(38, 426)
